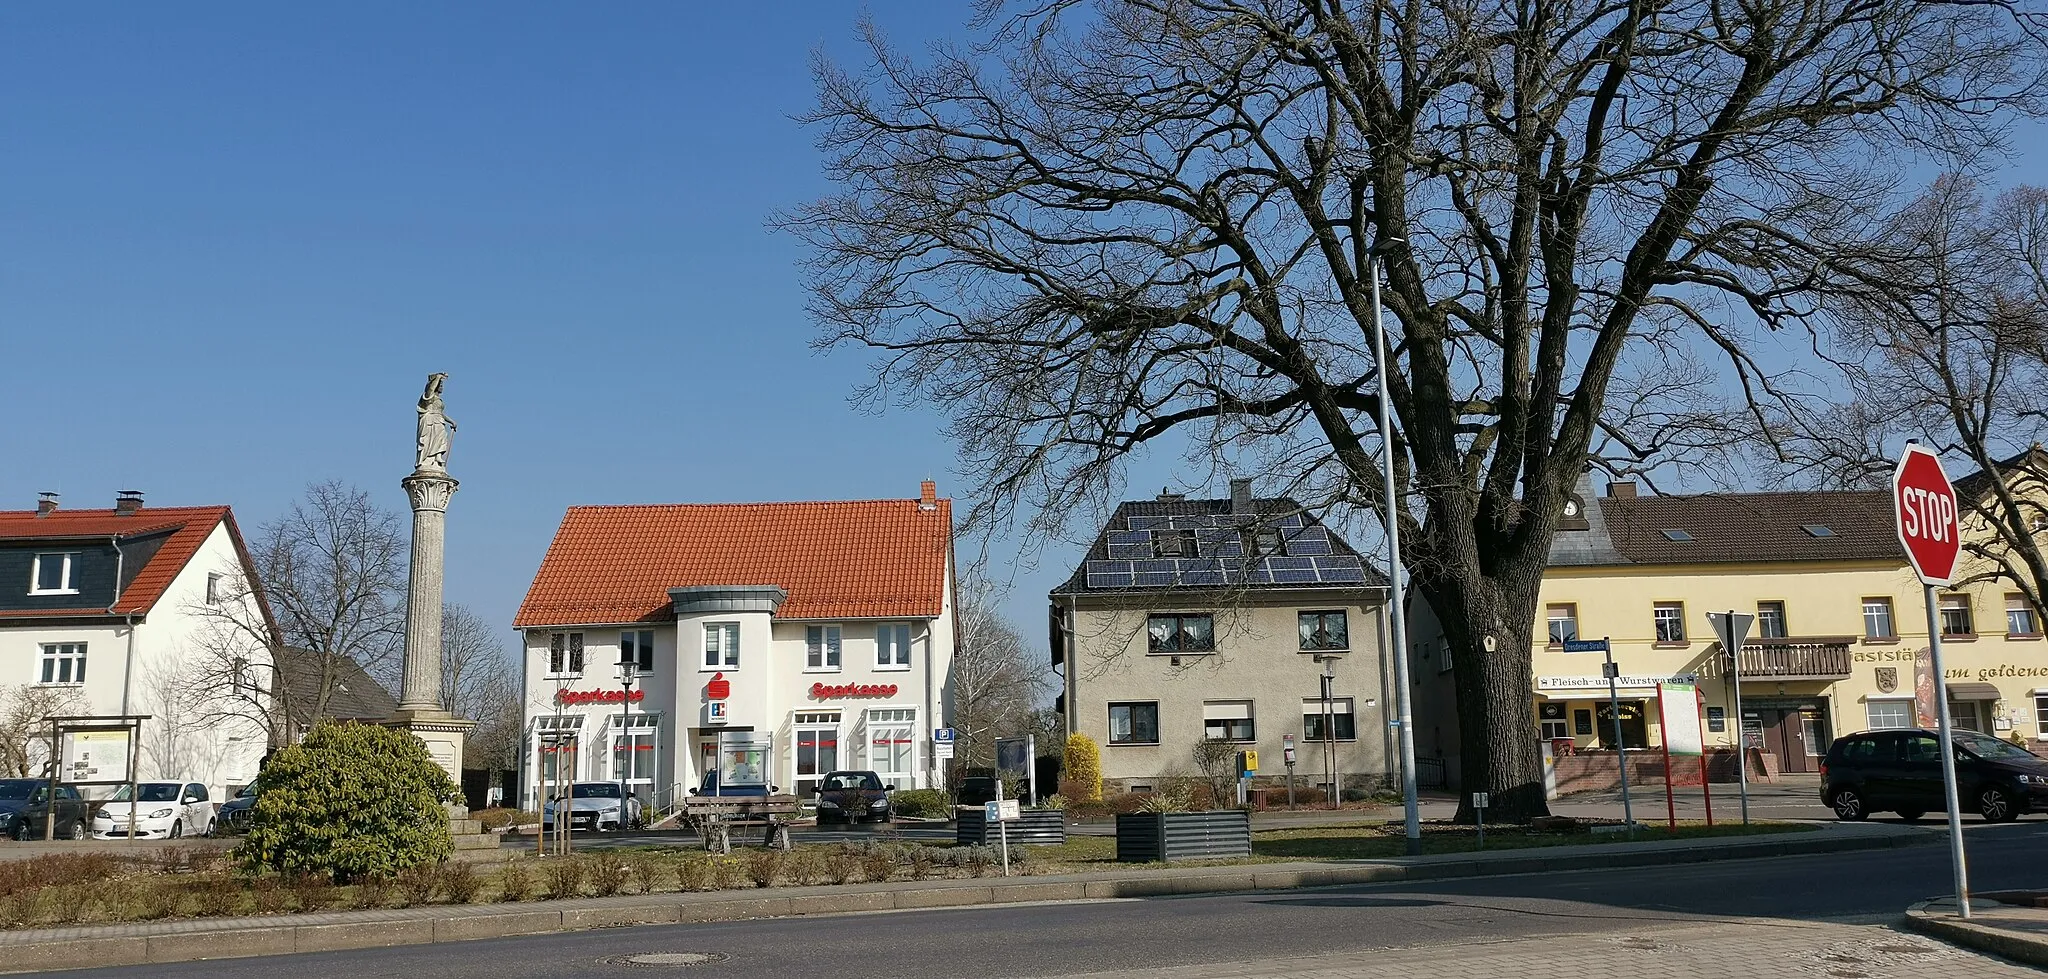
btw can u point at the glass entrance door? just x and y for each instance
(817, 749)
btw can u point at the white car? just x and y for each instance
(594, 806)
(168, 810)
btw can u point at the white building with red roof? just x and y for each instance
(788, 639)
(118, 611)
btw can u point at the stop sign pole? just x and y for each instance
(1924, 507)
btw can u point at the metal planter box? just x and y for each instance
(1042, 827)
(1163, 837)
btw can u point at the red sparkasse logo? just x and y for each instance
(570, 697)
(826, 691)
(1924, 505)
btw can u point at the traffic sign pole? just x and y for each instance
(1741, 726)
(1924, 510)
(1628, 815)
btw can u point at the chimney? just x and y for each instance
(1622, 490)
(127, 502)
(1240, 496)
(45, 503)
(927, 495)
(1169, 496)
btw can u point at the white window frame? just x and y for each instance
(726, 655)
(1875, 603)
(65, 586)
(901, 661)
(635, 728)
(643, 652)
(1312, 713)
(1551, 618)
(1905, 706)
(575, 655)
(815, 722)
(61, 664)
(1784, 620)
(213, 580)
(2041, 713)
(2024, 608)
(1676, 619)
(892, 721)
(1956, 602)
(824, 648)
(1218, 715)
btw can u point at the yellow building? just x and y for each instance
(1839, 643)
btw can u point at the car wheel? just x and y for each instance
(213, 827)
(78, 830)
(177, 828)
(1848, 806)
(1912, 815)
(1996, 804)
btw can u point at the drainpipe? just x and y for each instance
(127, 670)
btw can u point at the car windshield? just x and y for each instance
(151, 792)
(596, 790)
(1992, 749)
(17, 788)
(851, 780)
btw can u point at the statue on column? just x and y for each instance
(434, 429)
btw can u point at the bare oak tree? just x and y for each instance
(996, 686)
(480, 682)
(1108, 225)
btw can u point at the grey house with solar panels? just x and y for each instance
(1193, 620)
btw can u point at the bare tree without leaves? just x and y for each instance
(1940, 325)
(25, 711)
(1105, 224)
(479, 682)
(330, 579)
(996, 684)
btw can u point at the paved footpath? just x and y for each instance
(1719, 950)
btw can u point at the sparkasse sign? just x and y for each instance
(1924, 507)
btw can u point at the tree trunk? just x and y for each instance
(1497, 732)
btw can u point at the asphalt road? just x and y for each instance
(1072, 938)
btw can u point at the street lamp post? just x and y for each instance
(627, 668)
(1396, 616)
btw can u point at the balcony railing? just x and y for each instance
(1788, 659)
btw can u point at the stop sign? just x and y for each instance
(1924, 505)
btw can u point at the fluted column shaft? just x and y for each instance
(421, 690)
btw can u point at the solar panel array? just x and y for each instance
(1208, 551)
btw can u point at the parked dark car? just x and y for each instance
(25, 807)
(851, 797)
(1900, 771)
(234, 814)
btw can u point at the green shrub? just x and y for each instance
(693, 873)
(354, 801)
(312, 891)
(515, 881)
(460, 882)
(1055, 802)
(373, 891)
(764, 866)
(726, 873)
(564, 878)
(1083, 766)
(921, 803)
(648, 872)
(608, 874)
(500, 818)
(417, 884)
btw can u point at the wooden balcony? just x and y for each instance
(1826, 658)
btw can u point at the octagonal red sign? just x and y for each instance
(1924, 507)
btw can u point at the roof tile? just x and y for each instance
(189, 525)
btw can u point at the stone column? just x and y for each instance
(421, 693)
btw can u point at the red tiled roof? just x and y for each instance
(189, 527)
(841, 560)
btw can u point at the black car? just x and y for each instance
(234, 814)
(851, 797)
(25, 808)
(1900, 771)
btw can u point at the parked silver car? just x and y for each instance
(596, 806)
(166, 810)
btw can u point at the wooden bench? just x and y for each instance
(715, 816)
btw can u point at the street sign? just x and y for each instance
(942, 735)
(1480, 800)
(1585, 645)
(1924, 506)
(1732, 628)
(942, 750)
(1002, 811)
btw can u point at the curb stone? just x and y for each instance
(201, 939)
(2019, 948)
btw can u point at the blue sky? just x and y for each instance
(237, 238)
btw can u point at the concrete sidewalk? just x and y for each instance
(2016, 931)
(140, 943)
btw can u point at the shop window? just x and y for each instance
(1877, 619)
(1181, 633)
(1228, 720)
(1956, 617)
(1888, 715)
(1342, 721)
(1134, 723)
(1770, 620)
(635, 754)
(1550, 722)
(565, 654)
(817, 748)
(1669, 620)
(1582, 722)
(1324, 631)
(2020, 617)
(1634, 729)
(1564, 623)
(892, 745)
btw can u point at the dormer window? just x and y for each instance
(52, 575)
(1173, 543)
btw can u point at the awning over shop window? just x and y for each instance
(1973, 691)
